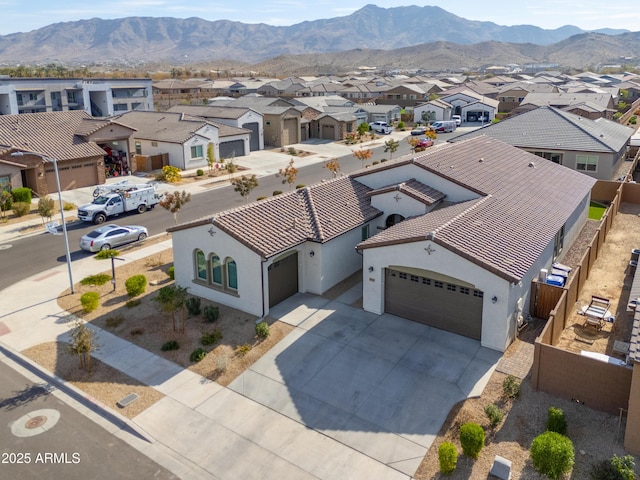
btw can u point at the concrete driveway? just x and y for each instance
(379, 385)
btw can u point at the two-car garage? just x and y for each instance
(434, 299)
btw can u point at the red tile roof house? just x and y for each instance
(451, 237)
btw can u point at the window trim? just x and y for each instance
(587, 161)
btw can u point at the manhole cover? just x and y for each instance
(35, 423)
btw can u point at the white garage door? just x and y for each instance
(439, 303)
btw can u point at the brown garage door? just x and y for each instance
(438, 303)
(329, 132)
(73, 174)
(290, 131)
(283, 279)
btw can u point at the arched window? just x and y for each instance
(216, 270)
(201, 265)
(232, 274)
(393, 219)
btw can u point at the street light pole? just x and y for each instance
(64, 224)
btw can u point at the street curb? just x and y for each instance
(9, 355)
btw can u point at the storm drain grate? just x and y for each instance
(132, 397)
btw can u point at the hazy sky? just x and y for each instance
(27, 15)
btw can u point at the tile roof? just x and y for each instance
(552, 128)
(415, 189)
(563, 99)
(317, 213)
(89, 126)
(49, 133)
(523, 203)
(163, 126)
(212, 111)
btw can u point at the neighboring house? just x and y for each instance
(185, 139)
(239, 117)
(75, 139)
(432, 111)
(463, 230)
(382, 113)
(511, 95)
(597, 148)
(603, 101)
(471, 106)
(98, 97)
(334, 125)
(404, 95)
(282, 122)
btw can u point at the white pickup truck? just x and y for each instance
(381, 127)
(116, 199)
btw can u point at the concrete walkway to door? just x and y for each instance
(378, 384)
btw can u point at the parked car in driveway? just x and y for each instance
(111, 236)
(419, 130)
(457, 119)
(381, 127)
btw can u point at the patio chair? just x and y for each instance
(596, 312)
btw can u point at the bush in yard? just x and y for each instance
(448, 457)
(199, 172)
(106, 254)
(21, 209)
(300, 185)
(605, 470)
(471, 439)
(211, 313)
(494, 414)
(261, 198)
(170, 345)
(136, 285)
(170, 174)
(511, 387)
(211, 338)
(197, 355)
(99, 279)
(262, 329)
(401, 125)
(552, 454)
(134, 302)
(21, 195)
(625, 466)
(113, 322)
(46, 207)
(193, 306)
(66, 206)
(90, 301)
(242, 350)
(277, 192)
(556, 421)
(171, 271)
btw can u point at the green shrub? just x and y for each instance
(199, 172)
(211, 313)
(21, 209)
(197, 355)
(552, 454)
(171, 271)
(277, 192)
(300, 185)
(375, 162)
(169, 174)
(617, 115)
(511, 387)
(401, 125)
(170, 345)
(471, 439)
(448, 457)
(99, 279)
(633, 120)
(193, 306)
(136, 285)
(494, 414)
(383, 160)
(90, 301)
(66, 206)
(242, 350)
(211, 338)
(134, 302)
(46, 207)
(262, 329)
(261, 198)
(292, 151)
(556, 421)
(605, 470)
(625, 466)
(21, 195)
(106, 254)
(115, 321)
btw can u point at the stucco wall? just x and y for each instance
(632, 432)
(404, 205)
(249, 294)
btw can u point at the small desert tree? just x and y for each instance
(231, 168)
(391, 146)
(173, 202)
(211, 158)
(363, 155)
(46, 207)
(171, 299)
(333, 166)
(82, 343)
(288, 174)
(5, 202)
(363, 128)
(244, 185)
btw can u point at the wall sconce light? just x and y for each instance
(370, 269)
(312, 253)
(494, 299)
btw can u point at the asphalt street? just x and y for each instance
(41, 437)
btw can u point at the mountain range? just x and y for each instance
(377, 36)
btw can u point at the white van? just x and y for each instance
(444, 126)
